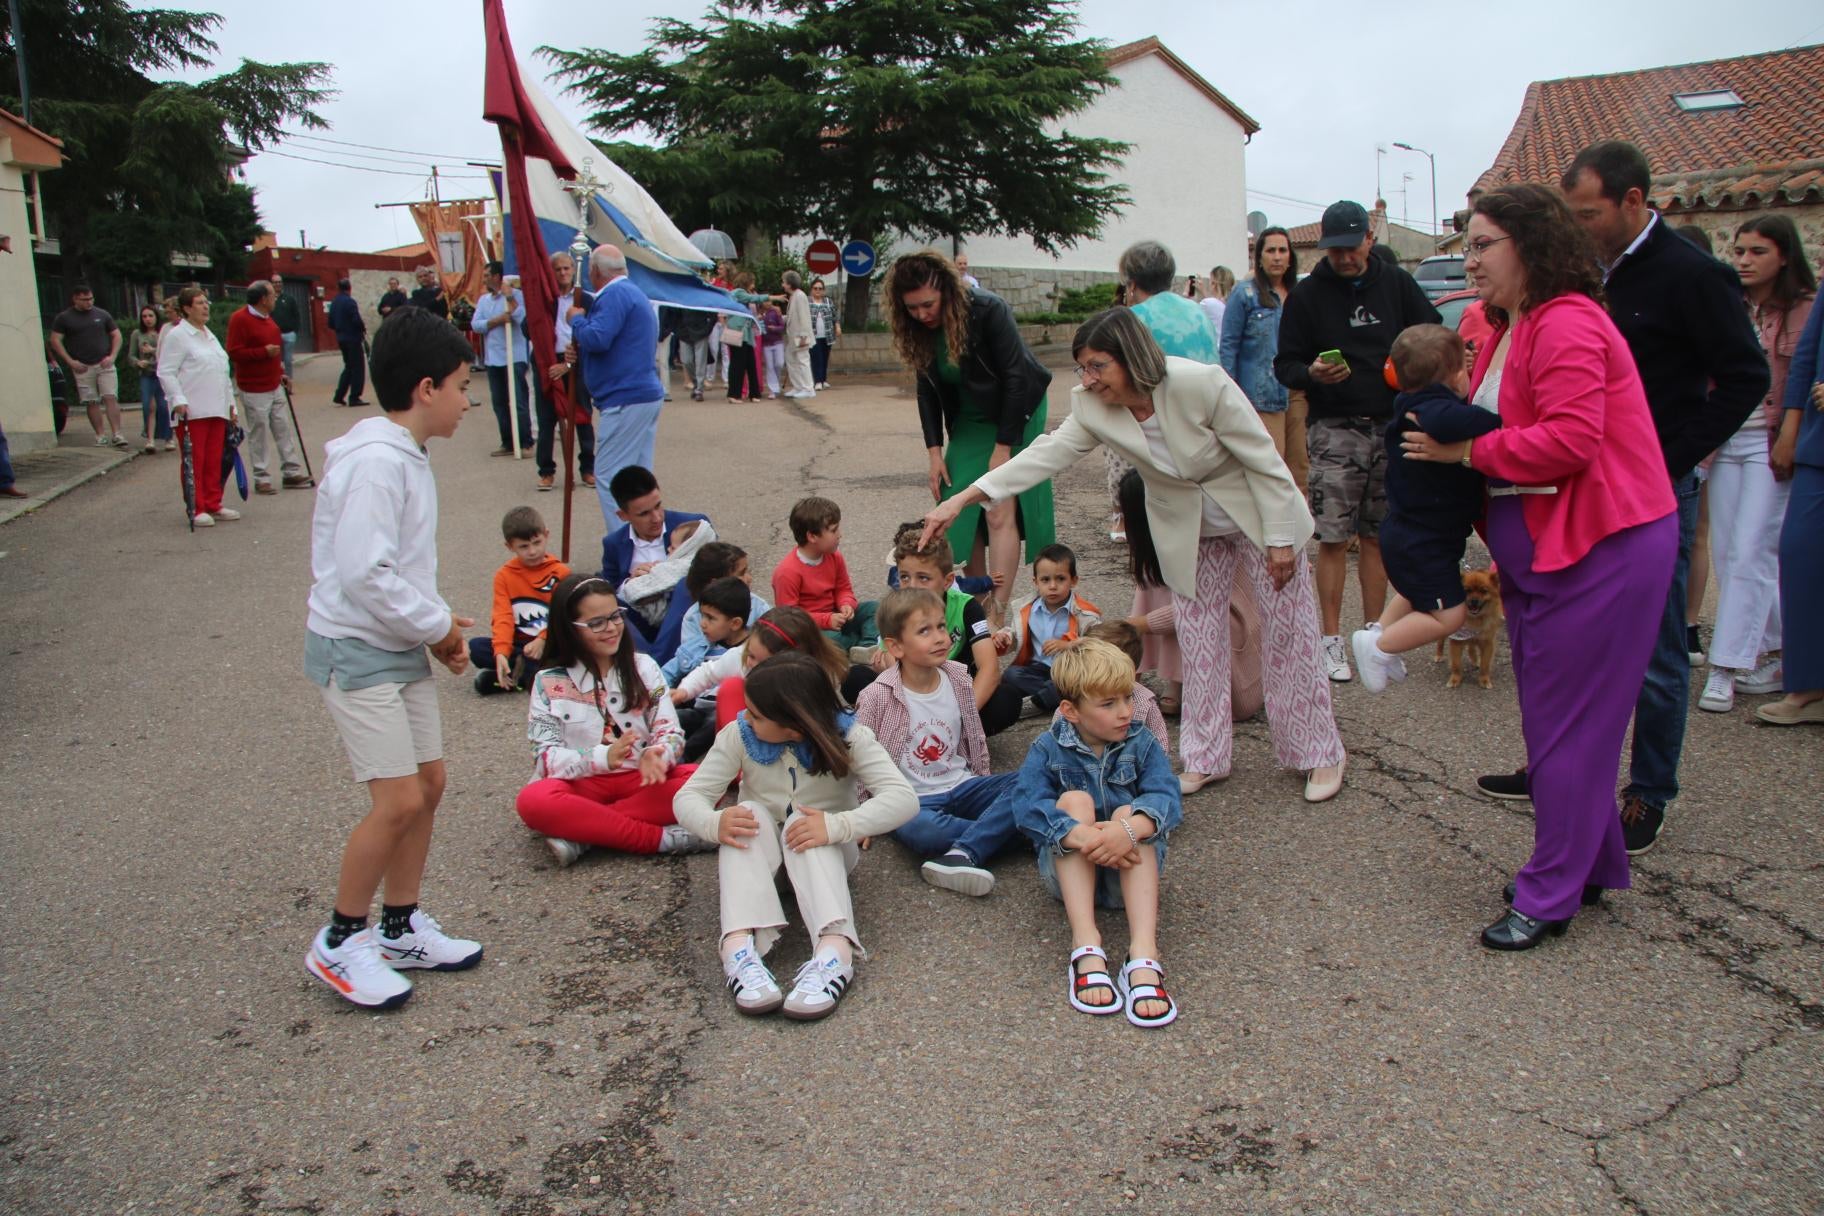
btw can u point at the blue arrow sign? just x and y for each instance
(858, 257)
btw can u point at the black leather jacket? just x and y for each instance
(999, 373)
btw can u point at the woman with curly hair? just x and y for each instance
(979, 384)
(1583, 526)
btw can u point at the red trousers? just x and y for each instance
(731, 699)
(612, 810)
(207, 435)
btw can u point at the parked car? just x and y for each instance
(1440, 275)
(1461, 311)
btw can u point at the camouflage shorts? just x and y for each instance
(1348, 477)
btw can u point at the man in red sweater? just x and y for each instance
(254, 346)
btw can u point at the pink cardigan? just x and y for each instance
(1573, 415)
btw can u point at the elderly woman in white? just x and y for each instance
(193, 368)
(1217, 496)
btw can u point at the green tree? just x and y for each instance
(150, 161)
(863, 118)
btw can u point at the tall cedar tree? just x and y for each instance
(863, 118)
(148, 168)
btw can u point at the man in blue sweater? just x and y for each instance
(1701, 364)
(617, 340)
(351, 339)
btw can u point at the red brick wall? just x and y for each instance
(324, 267)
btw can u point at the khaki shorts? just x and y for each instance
(387, 729)
(94, 383)
(1347, 485)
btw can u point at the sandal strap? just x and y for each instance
(1142, 964)
(1094, 979)
(1081, 951)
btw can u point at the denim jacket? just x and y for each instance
(1250, 340)
(1136, 772)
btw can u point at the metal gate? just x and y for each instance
(302, 293)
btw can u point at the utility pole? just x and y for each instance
(1434, 187)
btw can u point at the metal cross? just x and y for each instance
(584, 187)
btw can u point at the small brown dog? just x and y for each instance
(1482, 596)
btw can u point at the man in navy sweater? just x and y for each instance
(1701, 364)
(351, 339)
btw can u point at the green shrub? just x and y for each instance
(1087, 301)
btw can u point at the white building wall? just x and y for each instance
(25, 391)
(1184, 172)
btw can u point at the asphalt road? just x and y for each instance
(175, 802)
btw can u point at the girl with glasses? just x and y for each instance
(604, 733)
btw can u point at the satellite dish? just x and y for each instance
(1257, 223)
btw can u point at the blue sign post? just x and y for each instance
(858, 258)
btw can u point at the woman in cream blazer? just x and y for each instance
(1218, 497)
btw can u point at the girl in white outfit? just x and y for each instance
(803, 764)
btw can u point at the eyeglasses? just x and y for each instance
(602, 624)
(1473, 250)
(1095, 367)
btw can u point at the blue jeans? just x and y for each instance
(288, 343)
(972, 816)
(503, 399)
(152, 398)
(1033, 680)
(1659, 713)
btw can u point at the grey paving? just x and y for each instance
(175, 801)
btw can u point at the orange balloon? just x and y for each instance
(1389, 375)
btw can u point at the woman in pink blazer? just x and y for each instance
(1580, 522)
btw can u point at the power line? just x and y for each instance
(336, 164)
(391, 160)
(378, 148)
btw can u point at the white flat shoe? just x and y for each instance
(1190, 783)
(1325, 784)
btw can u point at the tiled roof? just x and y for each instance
(1116, 56)
(1764, 152)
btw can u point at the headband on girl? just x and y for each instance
(783, 636)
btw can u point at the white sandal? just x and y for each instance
(1080, 980)
(1133, 994)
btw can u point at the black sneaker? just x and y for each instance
(1509, 787)
(485, 682)
(957, 871)
(1694, 646)
(1641, 822)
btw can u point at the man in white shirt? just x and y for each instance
(499, 308)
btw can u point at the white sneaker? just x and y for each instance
(755, 991)
(818, 988)
(1336, 659)
(119, 440)
(862, 654)
(1368, 659)
(426, 946)
(101, 441)
(1768, 677)
(565, 851)
(675, 838)
(227, 513)
(1719, 691)
(203, 519)
(355, 970)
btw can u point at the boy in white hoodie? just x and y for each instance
(374, 612)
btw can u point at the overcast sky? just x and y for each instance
(1327, 81)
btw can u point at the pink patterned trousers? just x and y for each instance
(1298, 690)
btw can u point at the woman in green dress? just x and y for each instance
(980, 386)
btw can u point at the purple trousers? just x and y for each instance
(1579, 640)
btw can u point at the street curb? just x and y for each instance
(16, 507)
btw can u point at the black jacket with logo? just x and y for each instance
(1360, 317)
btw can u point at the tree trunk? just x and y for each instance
(855, 303)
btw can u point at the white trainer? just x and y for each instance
(753, 986)
(425, 946)
(227, 513)
(1768, 677)
(1370, 661)
(1336, 659)
(355, 970)
(566, 852)
(202, 519)
(675, 838)
(1719, 691)
(818, 988)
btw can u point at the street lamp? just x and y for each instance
(1434, 187)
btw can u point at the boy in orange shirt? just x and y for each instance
(814, 577)
(522, 601)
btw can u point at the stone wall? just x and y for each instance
(1721, 226)
(857, 353)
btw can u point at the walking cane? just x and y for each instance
(303, 445)
(568, 431)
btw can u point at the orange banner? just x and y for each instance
(454, 231)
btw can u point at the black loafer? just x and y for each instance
(1592, 895)
(1517, 931)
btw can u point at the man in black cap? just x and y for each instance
(1351, 308)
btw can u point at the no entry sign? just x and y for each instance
(822, 257)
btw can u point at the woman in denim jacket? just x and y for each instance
(1250, 339)
(1097, 798)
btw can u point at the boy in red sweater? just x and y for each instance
(506, 659)
(254, 347)
(815, 577)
